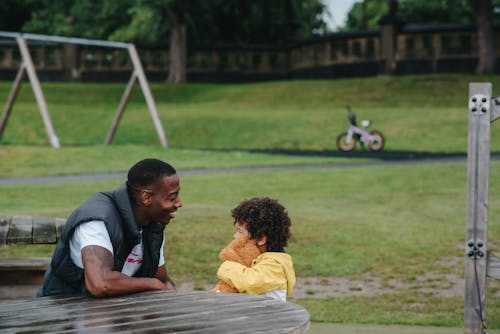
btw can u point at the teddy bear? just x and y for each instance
(239, 250)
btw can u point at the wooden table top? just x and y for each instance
(154, 312)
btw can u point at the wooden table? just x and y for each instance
(154, 312)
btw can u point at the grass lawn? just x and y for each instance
(416, 113)
(403, 225)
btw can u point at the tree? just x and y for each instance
(13, 14)
(159, 21)
(87, 19)
(485, 36)
(217, 22)
(177, 14)
(365, 15)
(201, 22)
(436, 11)
(254, 21)
(484, 13)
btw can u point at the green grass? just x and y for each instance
(392, 222)
(416, 113)
(22, 161)
(395, 223)
(391, 309)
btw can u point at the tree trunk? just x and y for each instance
(177, 18)
(483, 10)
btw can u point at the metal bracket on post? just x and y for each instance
(475, 249)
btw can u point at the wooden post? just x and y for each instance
(478, 162)
(70, 56)
(37, 90)
(147, 94)
(121, 109)
(12, 98)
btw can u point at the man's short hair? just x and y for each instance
(148, 171)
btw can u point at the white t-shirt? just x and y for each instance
(276, 294)
(94, 233)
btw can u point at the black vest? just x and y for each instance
(113, 208)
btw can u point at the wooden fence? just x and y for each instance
(409, 50)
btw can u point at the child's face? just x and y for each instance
(241, 229)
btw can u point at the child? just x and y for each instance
(265, 223)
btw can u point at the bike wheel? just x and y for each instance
(342, 143)
(379, 142)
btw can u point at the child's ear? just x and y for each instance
(262, 241)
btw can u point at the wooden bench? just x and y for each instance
(20, 277)
(30, 229)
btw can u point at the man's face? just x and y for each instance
(165, 200)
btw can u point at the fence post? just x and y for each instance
(478, 163)
(70, 63)
(388, 47)
(389, 29)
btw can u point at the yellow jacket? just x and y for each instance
(269, 271)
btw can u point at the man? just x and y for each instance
(113, 243)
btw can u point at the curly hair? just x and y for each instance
(264, 216)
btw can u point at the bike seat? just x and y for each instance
(352, 118)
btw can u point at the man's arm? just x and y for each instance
(101, 280)
(161, 274)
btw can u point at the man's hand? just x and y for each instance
(161, 274)
(101, 279)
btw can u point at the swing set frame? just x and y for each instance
(27, 67)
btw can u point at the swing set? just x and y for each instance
(27, 67)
